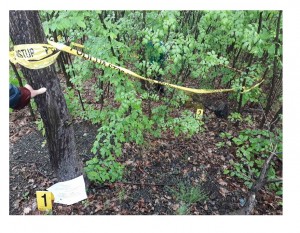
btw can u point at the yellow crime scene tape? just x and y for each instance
(37, 56)
(75, 52)
(77, 45)
(34, 56)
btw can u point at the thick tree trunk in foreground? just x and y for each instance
(25, 28)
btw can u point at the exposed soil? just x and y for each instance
(152, 171)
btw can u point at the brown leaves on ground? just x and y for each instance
(150, 172)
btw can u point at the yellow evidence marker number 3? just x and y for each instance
(44, 200)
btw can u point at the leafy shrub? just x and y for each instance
(252, 149)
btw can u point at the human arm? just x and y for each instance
(19, 97)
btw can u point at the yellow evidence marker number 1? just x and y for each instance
(44, 200)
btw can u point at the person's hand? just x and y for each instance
(35, 92)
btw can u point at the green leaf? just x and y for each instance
(226, 171)
(271, 49)
(279, 193)
(80, 23)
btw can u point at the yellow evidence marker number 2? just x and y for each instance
(199, 113)
(44, 200)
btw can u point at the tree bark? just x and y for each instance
(243, 84)
(25, 28)
(142, 51)
(275, 118)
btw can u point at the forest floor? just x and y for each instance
(158, 178)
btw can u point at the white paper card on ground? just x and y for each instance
(69, 192)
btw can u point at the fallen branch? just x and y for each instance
(259, 183)
(135, 183)
(142, 183)
(274, 181)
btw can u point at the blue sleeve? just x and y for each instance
(14, 96)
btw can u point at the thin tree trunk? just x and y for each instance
(101, 18)
(243, 84)
(25, 28)
(260, 22)
(269, 102)
(62, 65)
(78, 92)
(143, 57)
(236, 57)
(275, 118)
(250, 62)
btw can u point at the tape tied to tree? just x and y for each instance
(34, 56)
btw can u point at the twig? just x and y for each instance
(142, 183)
(47, 177)
(30, 125)
(260, 182)
(34, 163)
(274, 181)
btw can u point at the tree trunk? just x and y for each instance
(275, 119)
(25, 28)
(243, 84)
(143, 53)
(275, 76)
